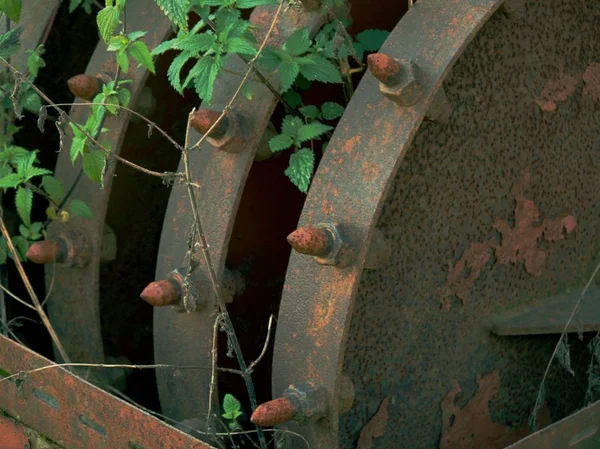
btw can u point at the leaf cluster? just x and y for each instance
(232, 411)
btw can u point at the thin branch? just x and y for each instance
(16, 298)
(33, 296)
(264, 349)
(213, 364)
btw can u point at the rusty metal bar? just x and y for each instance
(74, 413)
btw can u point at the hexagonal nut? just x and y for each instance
(309, 400)
(342, 252)
(408, 90)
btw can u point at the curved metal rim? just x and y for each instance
(74, 304)
(350, 186)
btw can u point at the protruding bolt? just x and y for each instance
(272, 413)
(385, 68)
(311, 241)
(85, 86)
(162, 293)
(47, 251)
(204, 119)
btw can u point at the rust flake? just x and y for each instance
(472, 427)
(557, 90)
(591, 77)
(349, 145)
(375, 428)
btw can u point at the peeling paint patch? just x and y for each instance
(591, 77)
(556, 90)
(472, 427)
(375, 427)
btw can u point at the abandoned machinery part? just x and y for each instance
(462, 174)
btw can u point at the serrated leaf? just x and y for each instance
(5, 171)
(270, 58)
(280, 142)
(124, 96)
(174, 70)
(21, 245)
(36, 171)
(311, 131)
(298, 43)
(9, 42)
(10, 181)
(292, 98)
(31, 101)
(136, 35)
(310, 112)
(165, 46)
(331, 110)
(108, 21)
(23, 203)
(23, 231)
(93, 164)
(34, 63)
(291, 125)
(77, 144)
(288, 71)
(372, 40)
(12, 8)
(239, 45)
(123, 61)
(358, 49)
(320, 69)
(53, 187)
(231, 404)
(139, 52)
(80, 209)
(176, 11)
(300, 169)
(195, 43)
(205, 72)
(244, 4)
(226, 17)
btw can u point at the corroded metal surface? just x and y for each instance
(186, 338)
(74, 302)
(74, 413)
(495, 207)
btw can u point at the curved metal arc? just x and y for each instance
(349, 187)
(74, 305)
(181, 338)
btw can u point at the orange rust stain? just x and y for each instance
(591, 77)
(370, 170)
(472, 427)
(326, 207)
(348, 147)
(557, 90)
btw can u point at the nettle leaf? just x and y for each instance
(292, 98)
(77, 144)
(176, 11)
(298, 43)
(108, 21)
(290, 126)
(358, 49)
(53, 187)
(331, 110)
(300, 169)
(11, 154)
(124, 96)
(21, 245)
(5, 171)
(244, 4)
(280, 142)
(9, 42)
(195, 43)
(239, 45)
(123, 60)
(35, 62)
(10, 181)
(23, 203)
(93, 164)
(226, 18)
(31, 101)
(136, 35)
(174, 71)
(139, 52)
(165, 46)
(311, 112)
(320, 69)
(12, 8)
(372, 40)
(231, 405)
(288, 72)
(311, 131)
(271, 57)
(205, 73)
(80, 209)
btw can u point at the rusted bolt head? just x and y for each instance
(311, 241)
(162, 293)
(405, 88)
(84, 86)
(272, 413)
(46, 252)
(308, 399)
(385, 68)
(204, 119)
(227, 136)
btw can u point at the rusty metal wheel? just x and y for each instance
(495, 209)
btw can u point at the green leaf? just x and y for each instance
(372, 40)
(231, 404)
(165, 46)
(280, 142)
(123, 61)
(35, 63)
(174, 71)
(36, 171)
(3, 251)
(320, 69)
(134, 36)
(23, 202)
(124, 96)
(11, 154)
(21, 245)
(291, 125)
(23, 231)
(292, 98)
(288, 71)
(358, 49)
(244, 4)
(331, 110)
(239, 45)
(93, 164)
(31, 101)
(271, 57)
(10, 181)
(77, 144)
(176, 11)
(80, 209)
(73, 4)
(12, 8)
(53, 187)
(111, 102)
(310, 112)
(108, 20)
(205, 72)
(141, 54)
(195, 43)
(300, 168)
(311, 131)
(9, 42)
(298, 43)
